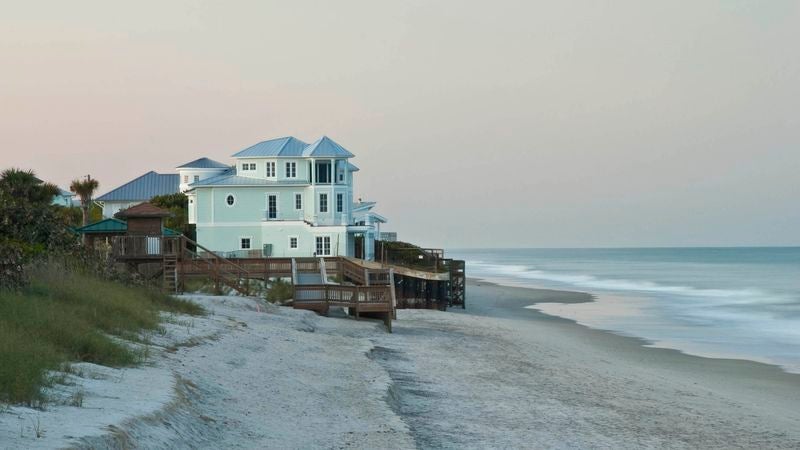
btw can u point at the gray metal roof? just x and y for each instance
(352, 167)
(64, 193)
(203, 163)
(285, 146)
(144, 188)
(326, 148)
(295, 148)
(237, 180)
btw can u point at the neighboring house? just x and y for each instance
(283, 197)
(369, 223)
(64, 198)
(199, 169)
(138, 190)
(147, 186)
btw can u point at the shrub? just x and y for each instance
(279, 291)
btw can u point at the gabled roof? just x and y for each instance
(108, 226)
(144, 188)
(285, 146)
(325, 148)
(104, 226)
(203, 163)
(143, 210)
(64, 193)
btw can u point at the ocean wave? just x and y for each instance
(718, 296)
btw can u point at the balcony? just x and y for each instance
(280, 215)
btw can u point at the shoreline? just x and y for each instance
(493, 375)
(590, 297)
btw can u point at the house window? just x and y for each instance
(196, 178)
(186, 178)
(323, 203)
(252, 166)
(291, 170)
(249, 166)
(272, 206)
(339, 203)
(271, 169)
(244, 243)
(293, 242)
(230, 199)
(298, 201)
(323, 246)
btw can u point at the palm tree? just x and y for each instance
(85, 189)
(23, 184)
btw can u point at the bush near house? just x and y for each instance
(58, 302)
(178, 205)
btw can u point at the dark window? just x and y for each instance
(245, 243)
(292, 242)
(230, 200)
(298, 201)
(339, 202)
(323, 172)
(323, 203)
(291, 170)
(272, 206)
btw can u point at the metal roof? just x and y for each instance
(64, 193)
(285, 146)
(108, 226)
(352, 167)
(326, 147)
(292, 147)
(237, 180)
(203, 163)
(104, 226)
(362, 205)
(144, 188)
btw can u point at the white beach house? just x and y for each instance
(283, 197)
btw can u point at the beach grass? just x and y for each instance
(62, 317)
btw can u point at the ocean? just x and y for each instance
(741, 303)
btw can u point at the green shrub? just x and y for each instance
(279, 291)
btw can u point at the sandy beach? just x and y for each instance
(496, 375)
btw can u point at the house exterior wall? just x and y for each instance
(187, 176)
(111, 208)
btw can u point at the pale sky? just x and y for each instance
(475, 124)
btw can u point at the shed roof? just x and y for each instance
(144, 210)
(104, 226)
(144, 188)
(203, 163)
(286, 146)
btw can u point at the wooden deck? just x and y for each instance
(361, 286)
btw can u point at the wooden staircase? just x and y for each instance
(171, 273)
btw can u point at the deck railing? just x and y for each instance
(145, 246)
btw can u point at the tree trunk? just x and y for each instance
(85, 211)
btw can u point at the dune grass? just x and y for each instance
(64, 317)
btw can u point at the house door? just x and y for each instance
(323, 247)
(272, 206)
